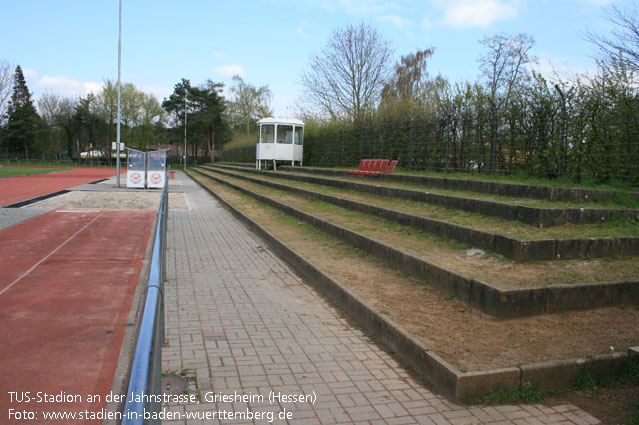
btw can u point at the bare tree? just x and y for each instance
(624, 40)
(347, 77)
(6, 82)
(503, 63)
(56, 113)
(503, 66)
(247, 104)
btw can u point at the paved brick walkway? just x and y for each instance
(241, 321)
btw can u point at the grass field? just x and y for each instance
(25, 171)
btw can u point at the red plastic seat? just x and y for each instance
(360, 167)
(373, 167)
(391, 167)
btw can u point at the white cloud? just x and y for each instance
(58, 84)
(357, 6)
(29, 73)
(158, 91)
(354, 7)
(398, 21)
(598, 2)
(301, 32)
(474, 13)
(68, 86)
(300, 28)
(229, 70)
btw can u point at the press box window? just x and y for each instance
(299, 136)
(268, 134)
(285, 134)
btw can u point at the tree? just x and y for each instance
(23, 123)
(502, 66)
(150, 117)
(410, 78)
(209, 107)
(205, 108)
(87, 127)
(139, 113)
(6, 80)
(346, 79)
(623, 44)
(106, 107)
(130, 109)
(56, 112)
(177, 106)
(247, 105)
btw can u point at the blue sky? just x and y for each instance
(70, 46)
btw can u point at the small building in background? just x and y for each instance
(279, 139)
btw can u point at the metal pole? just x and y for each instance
(119, 95)
(186, 95)
(410, 149)
(562, 130)
(493, 145)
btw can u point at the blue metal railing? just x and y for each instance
(142, 401)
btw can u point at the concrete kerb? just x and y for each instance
(502, 304)
(515, 249)
(450, 382)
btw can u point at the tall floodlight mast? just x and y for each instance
(186, 95)
(119, 94)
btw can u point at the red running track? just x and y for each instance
(16, 189)
(66, 288)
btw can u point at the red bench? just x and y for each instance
(373, 167)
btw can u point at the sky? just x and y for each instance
(70, 47)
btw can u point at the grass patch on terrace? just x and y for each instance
(526, 394)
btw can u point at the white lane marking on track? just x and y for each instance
(50, 254)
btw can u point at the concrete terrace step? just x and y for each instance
(515, 190)
(515, 249)
(499, 303)
(534, 216)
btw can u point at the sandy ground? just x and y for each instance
(145, 200)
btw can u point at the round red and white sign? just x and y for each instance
(156, 178)
(135, 178)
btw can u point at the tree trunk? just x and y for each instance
(211, 146)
